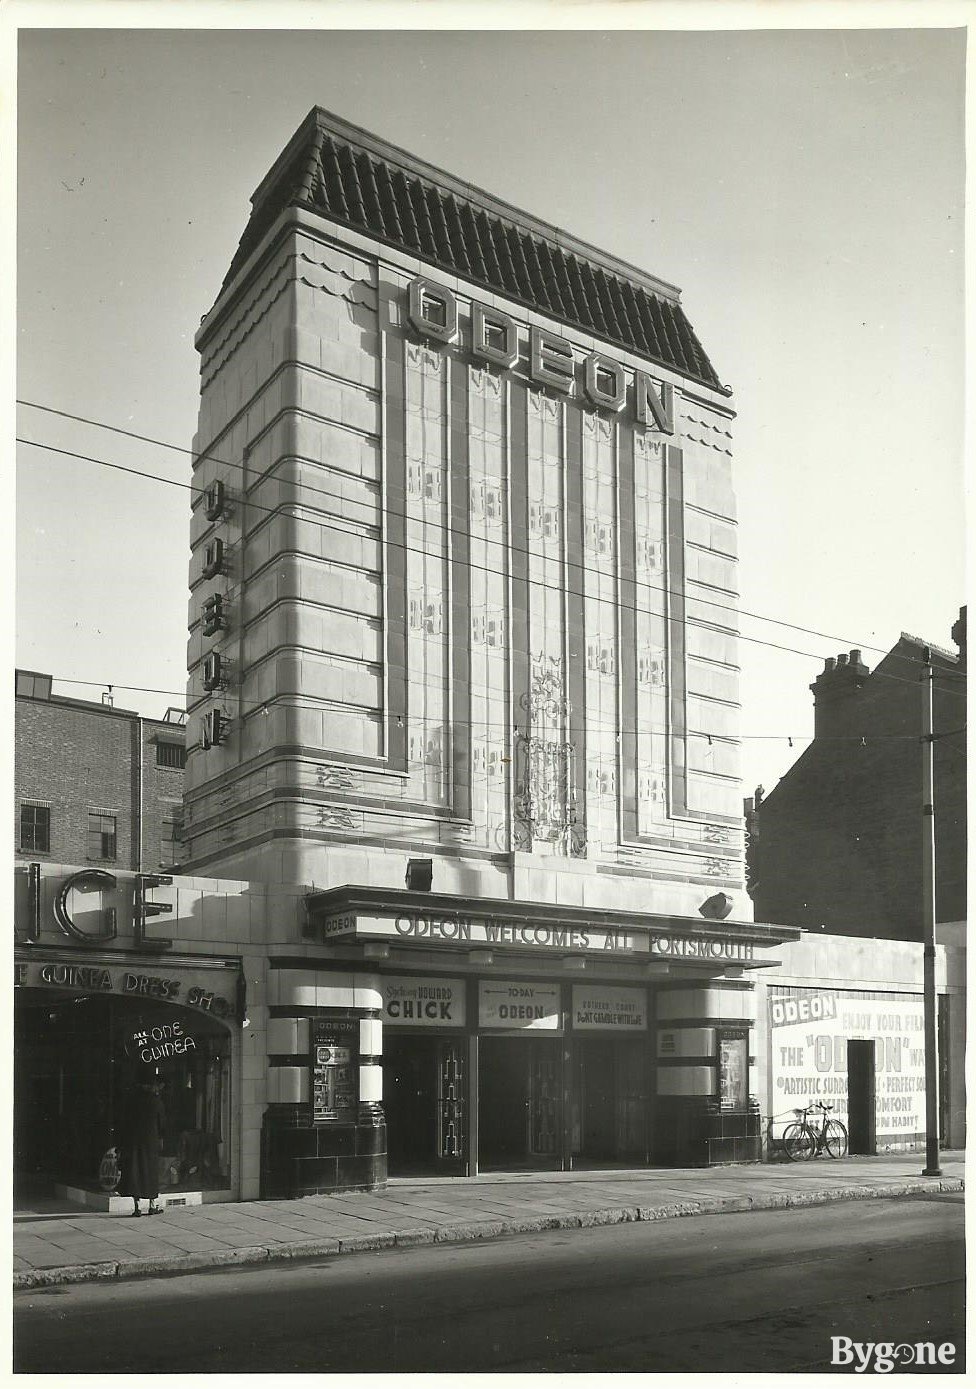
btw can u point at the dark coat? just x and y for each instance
(142, 1139)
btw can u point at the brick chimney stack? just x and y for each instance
(834, 689)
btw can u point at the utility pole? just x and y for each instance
(932, 1167)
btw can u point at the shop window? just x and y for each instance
(77, 1058)
(35, 829)
(101, 835)
(170, 755)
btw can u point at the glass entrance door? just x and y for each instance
(423, 1101)
(450, 1101)
(544, 1099)
(519, 1102)
(609, 1101)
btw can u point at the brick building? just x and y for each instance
(836, 845)
(94, 783)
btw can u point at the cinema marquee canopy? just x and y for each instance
(350, 915)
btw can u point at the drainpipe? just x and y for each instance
(139, 799)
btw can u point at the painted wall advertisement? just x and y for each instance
(808, 1034)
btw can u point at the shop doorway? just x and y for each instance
(609, 1101)
(424, 1104)
(519, 1102)
(74, 1064)
(861, 1121)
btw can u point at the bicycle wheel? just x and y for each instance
(835, 1139)
(799, 1143)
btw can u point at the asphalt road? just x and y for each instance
(761, 1291)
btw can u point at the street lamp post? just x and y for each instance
(932, 1167)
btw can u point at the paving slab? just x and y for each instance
(75, 1246)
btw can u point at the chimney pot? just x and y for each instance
(839, 682)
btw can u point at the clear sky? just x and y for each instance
(804, 188)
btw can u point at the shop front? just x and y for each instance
(547, 1040)
(843, 1024)
(541, 1067)
(84, 1036)
(96, 1014)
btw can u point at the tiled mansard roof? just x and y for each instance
(351, 177)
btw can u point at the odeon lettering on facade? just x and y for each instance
(441, 928)
(497, 340)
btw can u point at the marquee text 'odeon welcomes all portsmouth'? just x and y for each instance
(500, 933)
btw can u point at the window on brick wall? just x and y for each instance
(101, 835)
(169, 843)
(35, 829)
(170, 755)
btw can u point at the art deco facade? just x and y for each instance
(475, 556)
(463, 588)
(463, 854)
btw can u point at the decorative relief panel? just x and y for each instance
(600, 780)
(718, 868)
(427, 749)
(426, 615)
(601, 656)
(650, 554)
(651, 787)
(598, 536)
(545, 522)
(651, 710)
(425, 482)
(488, 540)
(488, 627)
(489, 762)
(546, 699)
(426, 509)
(716, 834)
(651, 666)
(545, 799)
(334, 779)
(544, 791)
(424, 359)
(329, 817)
(488, 502)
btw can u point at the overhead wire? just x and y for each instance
(590, 726)
(374, 511)
(471, 564)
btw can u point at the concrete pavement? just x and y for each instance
(61, 1244)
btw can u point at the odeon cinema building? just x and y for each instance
(464, 670)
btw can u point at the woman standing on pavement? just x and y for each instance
(142, 1143)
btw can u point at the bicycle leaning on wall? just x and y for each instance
(803, 1140)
